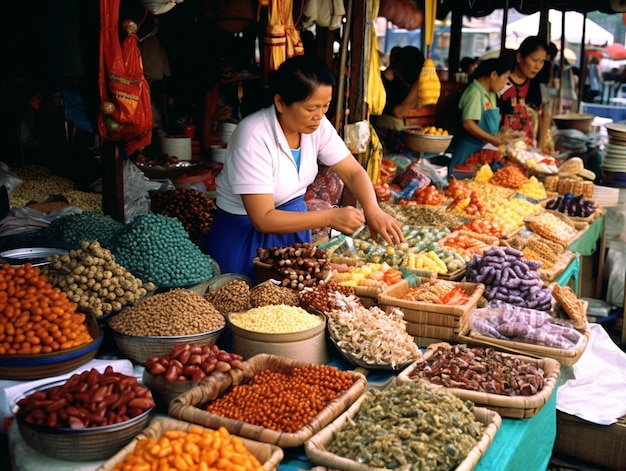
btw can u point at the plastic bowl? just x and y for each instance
(45, 365)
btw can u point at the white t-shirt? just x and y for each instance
(259, 160)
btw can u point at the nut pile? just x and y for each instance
(301, 264)
(170, 314)
(232, 297)
(268, 293)
(193, 208)
(91, 278)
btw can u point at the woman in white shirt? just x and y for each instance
(271, 159)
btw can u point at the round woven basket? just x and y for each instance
(138, 349)
(163, 390)
(88, 444)
(45, 365)
(425, 143)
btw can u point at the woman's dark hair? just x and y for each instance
(298, 77)
(532, 44)
(500, 65)
(465, 63)
(410, 62)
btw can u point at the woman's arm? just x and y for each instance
(472, 127)
(267, 219)
(410, 101)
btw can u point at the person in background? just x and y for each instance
(480, 116)
(400, 82)
(593, 81)
(271, 159)
(521, 101)
(468, 65)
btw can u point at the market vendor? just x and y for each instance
(521, 102)
(480, 115)
(400, 82)
(271, 159)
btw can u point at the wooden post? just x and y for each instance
(112, 181)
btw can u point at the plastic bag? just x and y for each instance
(7, 179)
(327, 186)
(320, 233)
(357, 136)
(136, 195)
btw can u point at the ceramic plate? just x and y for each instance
(613, 149)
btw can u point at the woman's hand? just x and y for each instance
(347, 219)
(385, 225)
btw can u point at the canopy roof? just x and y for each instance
(481, 8)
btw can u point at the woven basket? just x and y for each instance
(138, 349)
(88, 444)
(425, 143)
(190, 406)
(548, 275)
(564, 357)
(268, 455)
(428, 319)
(579, 227)
(163, 391)
(45, 365)
(315, 448)
(518, 407)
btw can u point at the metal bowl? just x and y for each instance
(138, 349)
(87, 444)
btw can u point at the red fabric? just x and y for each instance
(121, 81)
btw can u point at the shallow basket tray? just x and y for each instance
(359, 362)
(580, 227)
(268, 455)
(138, 349)
(517, 407)
(315, 447)
(564, 357)
(430, 313)
(548, 275)
(45, 365)
(190, 406)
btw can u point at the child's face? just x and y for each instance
(497, 82)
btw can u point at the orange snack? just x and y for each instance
(35, 317)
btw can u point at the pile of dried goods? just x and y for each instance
(91, 278)
(371, 334)
(478, 369)
(36, 317)
(170, 314)
(284, 402)
(440, 428)
(188, 362)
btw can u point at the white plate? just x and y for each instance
(616, 149)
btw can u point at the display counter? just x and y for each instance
(519, 444)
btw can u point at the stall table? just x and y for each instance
(519, 444)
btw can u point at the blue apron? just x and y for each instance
(467, 144)
(233, 241)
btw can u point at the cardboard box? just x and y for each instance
(603, 445)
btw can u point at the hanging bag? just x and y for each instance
(126, 111)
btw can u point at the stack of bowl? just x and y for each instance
(227, 130)
(614, 159)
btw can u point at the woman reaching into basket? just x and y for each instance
(480, 115)
(271, 159)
